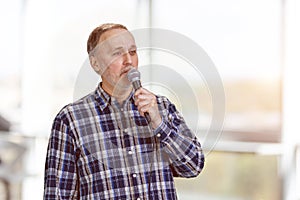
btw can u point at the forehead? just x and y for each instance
(116, 38)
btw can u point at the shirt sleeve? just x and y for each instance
(60, 168)
(177, 141)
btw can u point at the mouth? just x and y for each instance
(125, 70)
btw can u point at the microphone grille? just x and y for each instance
(133, 75)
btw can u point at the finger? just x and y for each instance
(144, 102)
(146, 105)
(143, 109)
(143, 97)
(141, 91)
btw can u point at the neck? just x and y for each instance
(121, 97)
(119, 93)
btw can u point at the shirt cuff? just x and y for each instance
(162, 131)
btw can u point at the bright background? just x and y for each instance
(254, 45)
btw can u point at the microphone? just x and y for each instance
(134, 77)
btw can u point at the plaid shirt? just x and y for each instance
(101, 150)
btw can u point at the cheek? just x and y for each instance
(113, 70)
(107, 60)
(106, 64)
(116, 66)
(135, 61)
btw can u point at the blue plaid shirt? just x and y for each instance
(99, 149)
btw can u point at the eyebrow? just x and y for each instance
(133, 46)
(117, 48)
(120, 48)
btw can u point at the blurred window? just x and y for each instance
(243, 39)
(233, 176)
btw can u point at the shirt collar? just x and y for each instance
(104, 99)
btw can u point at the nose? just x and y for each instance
(127, 58)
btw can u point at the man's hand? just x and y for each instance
(146, 102)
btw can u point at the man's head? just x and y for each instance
(112, 52)
(97, 32)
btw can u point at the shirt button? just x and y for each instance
(134, 175)
(122, 109)
(125, 130)
(158, 135)
(138, 198)
(130, 152)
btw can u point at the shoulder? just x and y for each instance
(72, 110)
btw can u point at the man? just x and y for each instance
(102, 147)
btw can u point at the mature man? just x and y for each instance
(102, 146)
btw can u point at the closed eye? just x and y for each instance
(117, 53)
(132, 52)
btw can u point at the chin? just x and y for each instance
(124, 83)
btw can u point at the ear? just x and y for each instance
(95, 64)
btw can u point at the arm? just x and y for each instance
(181, 146)
(60, 167)
(178, 142)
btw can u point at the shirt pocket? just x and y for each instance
(145, 148)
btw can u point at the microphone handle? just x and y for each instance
(136, 85)
(148, 118)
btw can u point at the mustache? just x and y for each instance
(125, 70)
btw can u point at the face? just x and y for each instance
(114, 56)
